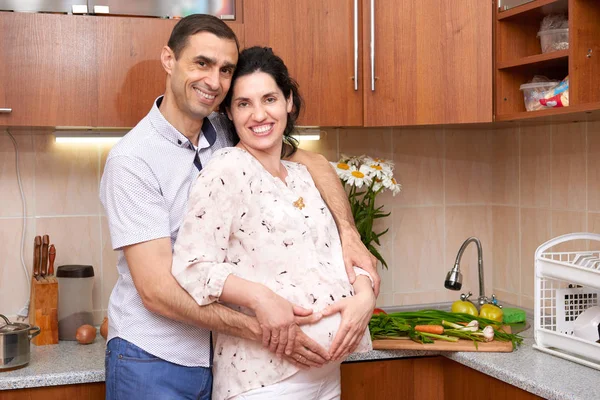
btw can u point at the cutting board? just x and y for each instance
(442, 345)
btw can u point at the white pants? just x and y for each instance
(313, 384)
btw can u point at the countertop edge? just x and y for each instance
(59, 379)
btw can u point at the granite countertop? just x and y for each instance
(529, 369)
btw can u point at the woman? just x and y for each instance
(259, 237)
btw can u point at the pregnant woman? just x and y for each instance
(259, 238)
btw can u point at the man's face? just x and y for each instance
(201, 77)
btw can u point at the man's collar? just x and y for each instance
(170, 133)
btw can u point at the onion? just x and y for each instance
(104, 328)
(85, 334)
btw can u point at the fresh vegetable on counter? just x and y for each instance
(464, 306)
(490, 311)
(426, 325)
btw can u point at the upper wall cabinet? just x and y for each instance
(318, 41)
(431, 60)
(65, 70)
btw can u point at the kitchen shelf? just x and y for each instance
(535, 8)
(539, 60)
(571, 110)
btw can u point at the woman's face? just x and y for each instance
(259, 111)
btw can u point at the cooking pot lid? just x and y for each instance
(9, 327)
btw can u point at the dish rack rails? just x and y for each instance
(566, 284)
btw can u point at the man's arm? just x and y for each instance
(332, 191)
(150, 266)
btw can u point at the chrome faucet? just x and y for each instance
(454, 277)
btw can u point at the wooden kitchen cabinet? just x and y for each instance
(432, 62)
(519, 57)
(432, 58)
(48, 72)
(84, 391)
(406, 379)
(92, 71)
(316, 41)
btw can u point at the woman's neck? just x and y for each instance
(269, 159)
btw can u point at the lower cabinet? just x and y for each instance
(423, 378)
(83, 391)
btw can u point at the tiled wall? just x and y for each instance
(513, 188)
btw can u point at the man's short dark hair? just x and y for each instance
(197, 23)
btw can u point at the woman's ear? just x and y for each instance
(289, 102)
(228, 111)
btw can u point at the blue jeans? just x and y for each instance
(132, 373)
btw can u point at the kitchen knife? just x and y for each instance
(37, 248)
(51, 257)
(44, 262)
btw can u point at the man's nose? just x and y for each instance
(212, 79)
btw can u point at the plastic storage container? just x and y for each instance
(554, 40)
(533, 92)
(75, 285)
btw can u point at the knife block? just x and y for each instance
(43, 310)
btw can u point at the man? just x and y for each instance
(159, 339)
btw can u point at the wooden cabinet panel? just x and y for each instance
(433, 62)
(390, 379)
(49, 77)
(86, 391)
(130, 75)
(461, 382)
(315, 39)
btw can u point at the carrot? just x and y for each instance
(436, 329)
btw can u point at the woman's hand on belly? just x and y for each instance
(356, 313)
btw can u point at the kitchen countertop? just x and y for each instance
(529, 369)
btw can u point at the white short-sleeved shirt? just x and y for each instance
(144, 190)
(241, 220)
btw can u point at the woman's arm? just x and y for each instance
(329, 185)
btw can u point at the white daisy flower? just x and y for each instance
(352, 160)
(390, 183)
(342, 169)
(359, 177)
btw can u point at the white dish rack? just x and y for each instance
(566, 284)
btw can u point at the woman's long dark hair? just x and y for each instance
(262, 59)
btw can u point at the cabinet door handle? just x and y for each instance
(372, 45)
(355, 45)
(5, 110)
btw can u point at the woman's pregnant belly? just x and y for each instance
(324, 331)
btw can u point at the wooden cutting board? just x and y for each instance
(442, 345)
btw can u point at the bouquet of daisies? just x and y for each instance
(364, 178)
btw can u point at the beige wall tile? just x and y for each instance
(564, 222)
(568, 166)
(468, 171)
(373, 142)
(505, 297)
(327, 145)
(109, 264)
(10, 195)
(536, 228)
(67, 178)
(506, 257)
(418, 249)
(77, 241)
(505, 166)
(429, 297)
(463, 222)
(593, 157)
(594, 224)
(535, 166)
(385, 300)
(527, 302)
(419, 159)
(14, 286)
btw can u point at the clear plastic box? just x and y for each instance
(533, 92)
(554, 40)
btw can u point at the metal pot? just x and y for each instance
(15, 341)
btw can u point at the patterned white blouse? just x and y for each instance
(241, 220)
